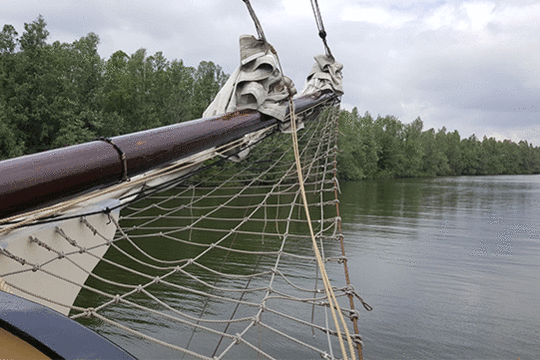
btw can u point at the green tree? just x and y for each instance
(31, 100)
(473, 156)
(493, 156)
(528, 163)
(35, 35)
(178, 102)
(10, 144)
(8, 40)
(389, 138)
(454, 153)
(412, 148)
(434, 161)
(357, 158)
(208, 79)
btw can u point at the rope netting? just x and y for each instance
(219, 264)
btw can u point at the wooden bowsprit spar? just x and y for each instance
(39, 180)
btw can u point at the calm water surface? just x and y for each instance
(450, 265)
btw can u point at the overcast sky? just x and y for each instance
(473, 66)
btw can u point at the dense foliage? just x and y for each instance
(386, 148)
(52, 95)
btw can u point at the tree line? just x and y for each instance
(53, 95)
(384, 147)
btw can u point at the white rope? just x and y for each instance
(333, 302)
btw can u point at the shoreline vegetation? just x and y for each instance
(385, 148)
(60, 94)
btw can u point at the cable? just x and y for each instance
(320, 26)
(258, 25)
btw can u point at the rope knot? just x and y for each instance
(357, 339)
(257, 319)
(326, 356)
(88, 225)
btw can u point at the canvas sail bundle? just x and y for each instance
(324, 76)
(257, 84)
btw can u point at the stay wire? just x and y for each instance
(320, 26)
(258, 25)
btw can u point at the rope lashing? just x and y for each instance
(320, 26)
(121, 155)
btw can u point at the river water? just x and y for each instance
(451, 266)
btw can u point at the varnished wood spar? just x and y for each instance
(33, 181)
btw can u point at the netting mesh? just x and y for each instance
(220, 264)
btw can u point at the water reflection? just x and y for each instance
(227, 282)
(450, 266)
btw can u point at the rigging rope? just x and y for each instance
(258, 25)
(320, 26)
(334, 306)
